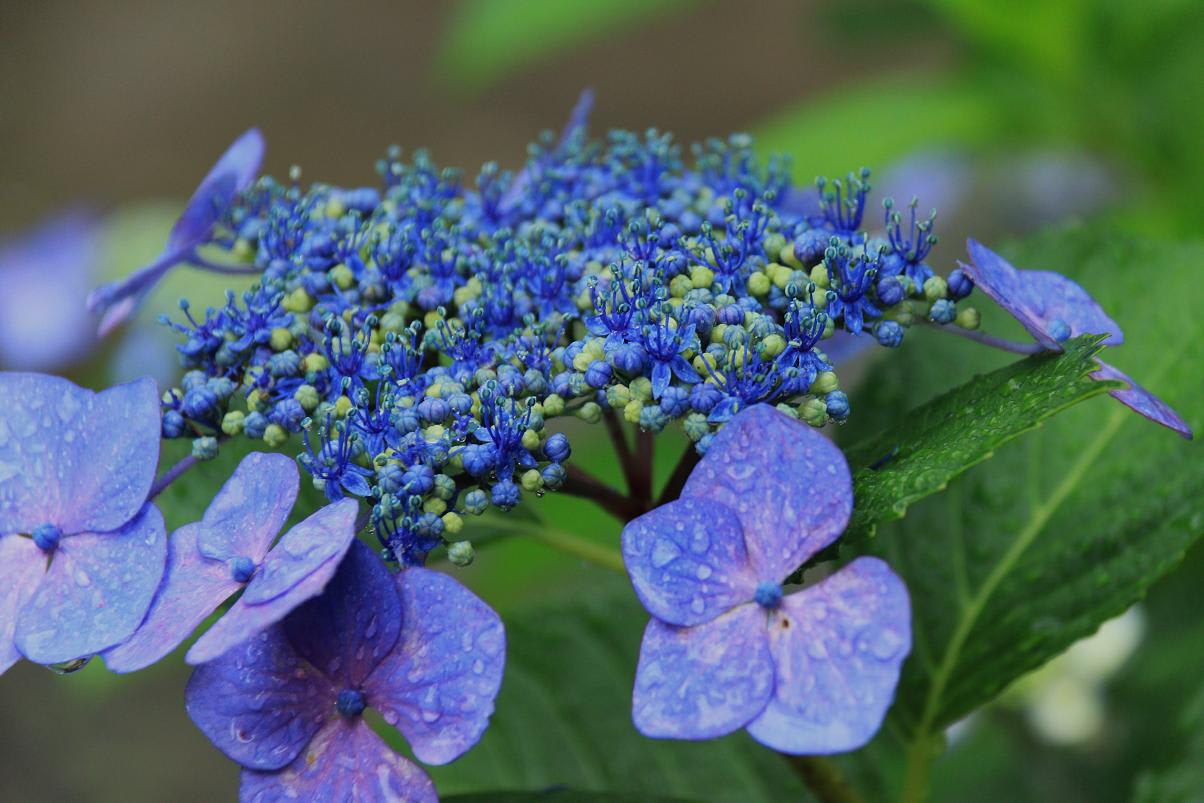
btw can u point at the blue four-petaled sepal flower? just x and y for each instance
(230, 549)
(417, 647)
(81, 549)
(1053, 309)
(812, 671)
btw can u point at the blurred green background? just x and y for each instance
(1008, 115)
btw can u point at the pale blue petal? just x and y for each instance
(705, 681)
(438, 685)
(22, 566)
(234, 171)
(249, 510)
(296, 569)
(687, 561)
(1141, 400)
(96, 591)
(788, 484)
(80, 460)
(837, 650)
(344, 762)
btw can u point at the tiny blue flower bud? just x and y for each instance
(889, 334)
(199, 403)
(46, 537)
(943, 311)
(890, 291)
(1059, 330)
(554, 476)
(506, 494)
(255, 425)
(461, 553)
(173, 424)
(838, 405)
(204, 448)
(557, 448)
(242, 569)
(418, 480)
(597, 374)
(433, 411)
(350, 703)
(475, 502)
(959, 284)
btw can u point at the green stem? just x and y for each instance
(824, 779)
(564, 542)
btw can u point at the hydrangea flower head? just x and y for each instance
(287, 705)
(233, 173)
(230, 549)
(1053, 308)
(81, 550)
(807, 672)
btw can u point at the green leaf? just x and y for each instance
(843, 131)
(961, 428)
(486, 40)
(1036, 548)
(563, 717)
(1183, 782)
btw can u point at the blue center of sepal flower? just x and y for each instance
(242, 569)
(47, 537)
(351, 703)
(768, 595)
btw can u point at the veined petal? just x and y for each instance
(837, 650)
(345, 761)
(192, 588)
(705, 681)
(789, 486)
(22, 566)
(1142, 401)
(688, 562)
(80, 460)
(438, 685)
(295, 570)
(96, 591)
(249, 510)
(260, 703)
(233, 172)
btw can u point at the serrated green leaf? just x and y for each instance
(486, 40)
(563, 717)
(959, 429)
(1036, 548)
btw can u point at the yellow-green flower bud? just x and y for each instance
(641, 388)
(461, 553)
(679, 285)
(935, 287)
(758, 284)
(772, 346)
(530, 439)
(825, 383)
(590, 413)
(553, 406)
(968, 318)
(787, 257)
(453, 523)
(701, 277)
(298, 301)
(434, 505)
(281, 339)
(275, 435)
(814, 412)
(819, 275)
(232, 422)
(341, 276)
(531, 480)
(631, 412)
(314, 363)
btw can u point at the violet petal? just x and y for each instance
(260, 703)
(233, 172)
(22, 566)
(837, 650)
(249, 510)
(80, 460)
(345, 761)
(96, 591)
(354, 624)
(192, 589)
(789, 485)
(687, 561)
(438, 685)
(705, 681)
(1141, 400)
(295, 570)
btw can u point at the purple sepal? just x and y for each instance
(705, 681)
(1039, 299)
(345, 761)
(295, 570)
(789, 485)
(438, 685)
(837, 649)
(687, 561)
(234, 171)
(260, 703)
(249, 510)
(1141, 400)
(80, 460)
(192, 589)
(22, 566)
(578, 120)
(96, 591)
(354, 624)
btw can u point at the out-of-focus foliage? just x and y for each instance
(488, 39)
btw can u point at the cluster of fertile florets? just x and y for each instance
(422, 337)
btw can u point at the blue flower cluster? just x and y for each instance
(421, 336)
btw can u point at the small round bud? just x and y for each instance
(641, 388)
(341, 276)
(452, 523)
(242, 568)
(617, 396)
(590, 413)
(960, 285)
(281, 339)
(968, 318)
(554, 476)
(772, 346)
(461, 553)
(758, 284)
(275, 435)
(890, 291)
(232, 422)
(204, 448)
(46, 537)
(475, 502)
(434, 506)
(1059, 330)
(530, 440)
(531, 480)
(825, 383)
(307, 396)
(819, 275)
(173, 424)
(934, 288)
(889, 334)
(255, 425)
(631, 411)
(943, 311)
(557, 448)
(553, 406)
(814, 412)
(838, 405)
(701, 277)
